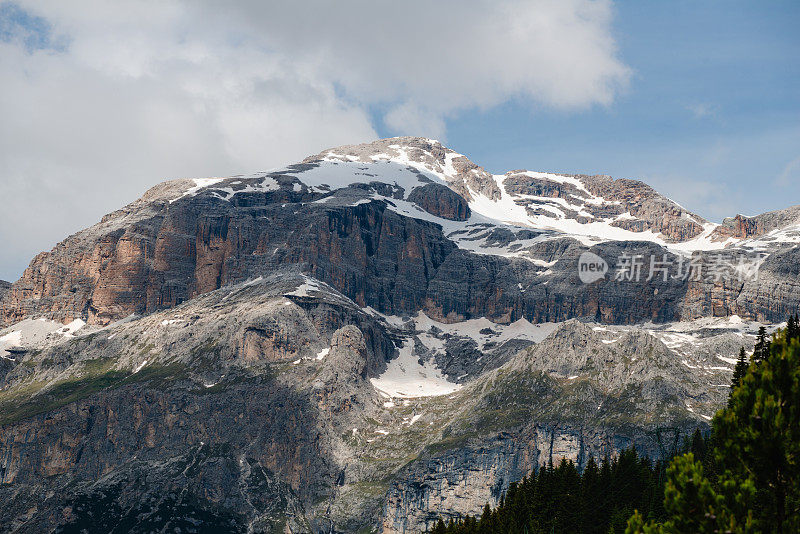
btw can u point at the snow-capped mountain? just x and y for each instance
(365, 339)
(591, 209)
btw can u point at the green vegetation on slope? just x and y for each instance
(34, 398)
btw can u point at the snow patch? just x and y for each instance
(36, 333)
(411, 420)
(406, 378)
(12, 338)
(483, 331)
(332, 173)
(305, 289)
(199, 183)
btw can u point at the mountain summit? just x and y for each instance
(366, 340)
(186, 237)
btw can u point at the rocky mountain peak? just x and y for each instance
(744, 227)
(600, 205)
(461, 174)
(351, 204)
(593, 205)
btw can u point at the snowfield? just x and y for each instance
(406, 378)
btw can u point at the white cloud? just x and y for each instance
(429, 60)
(409, 117)
(117, 96)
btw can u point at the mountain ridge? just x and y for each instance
(358, 346)
(172, 243)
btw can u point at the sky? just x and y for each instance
(101, 100)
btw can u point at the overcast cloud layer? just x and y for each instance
(102, 100)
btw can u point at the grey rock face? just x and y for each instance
(244, 496)
(150, 390)
(627, 204)
(546, 415)
(373, 255)
(173, 245)
(177, 394)
(743, 227)
(441, 201)
(559, 399)
(478, 473)
(84, 441)
(346, 361)
(464, 479)
(576, 350)
(200, 245)
(776, 292)
(504, 290)
(769, 297)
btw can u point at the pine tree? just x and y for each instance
(486, 519)
(757, 447)
(698, 445)
(439, 528)
(738, 372)
(796, 327)
(791, 328)
(568, 497)
(605, 500)
(690, 501)
(759, 436)
(762, 345)
(590, 499)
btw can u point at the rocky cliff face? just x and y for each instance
(469, 477)
(398, 237)
(441, 201)
(362, 341)
(559, 399)
(175, 405)
(627, 204)
(742, 227)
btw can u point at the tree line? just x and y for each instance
(743, 477)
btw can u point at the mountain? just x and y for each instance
(781, 224)
(409, 215)
(365, 340)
